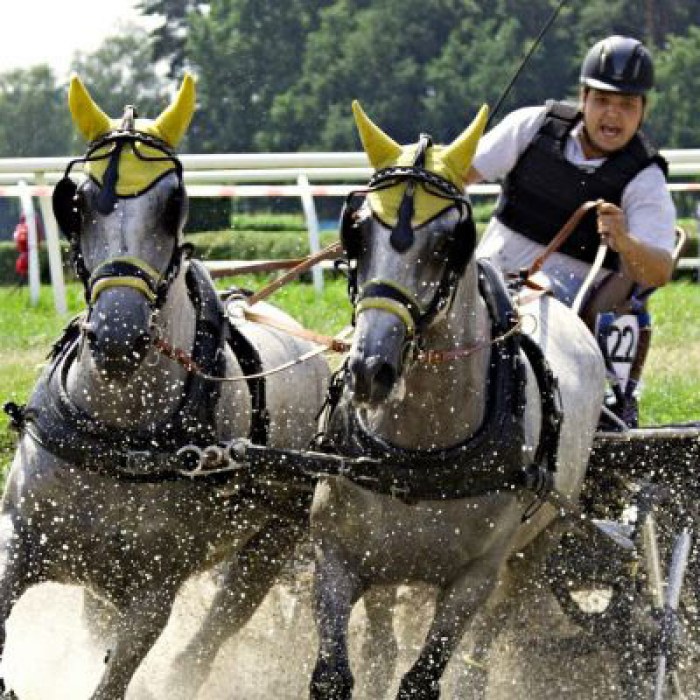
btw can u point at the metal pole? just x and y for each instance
(54, 250)
(307, 202)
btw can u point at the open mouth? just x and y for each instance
(610, 132)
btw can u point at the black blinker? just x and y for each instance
(107, 198)
(402, 235)
(64, 207)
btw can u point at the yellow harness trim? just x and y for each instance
(131, 260)
(127, 281)
(404, 291)
(390, 305)
(132, 282)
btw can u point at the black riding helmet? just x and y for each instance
(618, 64)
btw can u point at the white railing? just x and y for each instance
(239, 175)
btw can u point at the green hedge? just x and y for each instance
(211, 245)
(258, 237)
(253, 245)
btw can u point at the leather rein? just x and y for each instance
(240, 308)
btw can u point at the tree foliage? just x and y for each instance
(34, 119)
(281, 76)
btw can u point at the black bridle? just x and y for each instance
(380, 293)
(68, 210)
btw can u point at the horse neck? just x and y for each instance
(155, 390)
(440, 405)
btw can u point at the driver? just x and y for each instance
(555, 157)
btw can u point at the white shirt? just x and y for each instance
(646, 202)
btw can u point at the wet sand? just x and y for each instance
(49, 655)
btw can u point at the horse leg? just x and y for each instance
(246, 582)
(473, 676)
(455, 605)
(17, 574)
(336, 589)
(139, 624)
(379, 646)
(98, 617)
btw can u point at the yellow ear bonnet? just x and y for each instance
(450, 162)
(135, 174)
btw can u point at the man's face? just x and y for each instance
(610, 119)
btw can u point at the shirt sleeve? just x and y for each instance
(649, 209)
(498, 150)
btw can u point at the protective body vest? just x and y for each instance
(544, 189)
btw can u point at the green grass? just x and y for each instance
(671, 381)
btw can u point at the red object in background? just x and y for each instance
(21, 235)
(22, 264)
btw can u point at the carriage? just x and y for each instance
(617, 570)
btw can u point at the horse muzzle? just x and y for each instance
(378, 357)
(118, 333)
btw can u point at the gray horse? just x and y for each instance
(476, 408)
(96, 495)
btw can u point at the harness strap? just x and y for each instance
(564, 232)
(251, 364)
(327, 253)
(334, 344)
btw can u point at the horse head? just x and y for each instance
(124, 222)
(408, 241)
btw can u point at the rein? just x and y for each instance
(564, 232)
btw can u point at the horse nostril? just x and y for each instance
(371, 378)
(89, 332)
(385, 376)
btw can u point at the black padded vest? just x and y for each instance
(544, 189)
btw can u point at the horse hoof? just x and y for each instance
(411, 690)
(6, 694)
(330, 688)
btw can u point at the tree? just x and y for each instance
(121, 72)
(169, 39)
(375, 52)
(35, 120)
(245, 52)
(673, 114)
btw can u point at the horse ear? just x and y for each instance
(380, 148)
(172, 123)
(87, 116)
(460, 152)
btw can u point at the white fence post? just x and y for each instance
(32, 241)
(53, 246)
(307, 202)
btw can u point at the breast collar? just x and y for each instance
(489, 461)
(150, 453)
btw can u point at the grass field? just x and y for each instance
(671, 380)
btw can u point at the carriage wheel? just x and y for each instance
(607, 595)
(674, 647)
(591, 582)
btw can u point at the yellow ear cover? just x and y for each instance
(380, 148)
(450, 162)
(135, 174)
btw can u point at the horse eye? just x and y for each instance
(441, 247)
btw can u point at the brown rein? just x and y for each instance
(297, 267)
(564, 232)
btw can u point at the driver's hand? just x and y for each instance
(612, 225)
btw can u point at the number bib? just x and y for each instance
(619, 338)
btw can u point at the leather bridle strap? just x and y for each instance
(328, 252)
(124, 271)
(566, 230)
(335, 344)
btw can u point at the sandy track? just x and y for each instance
(49, 656)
